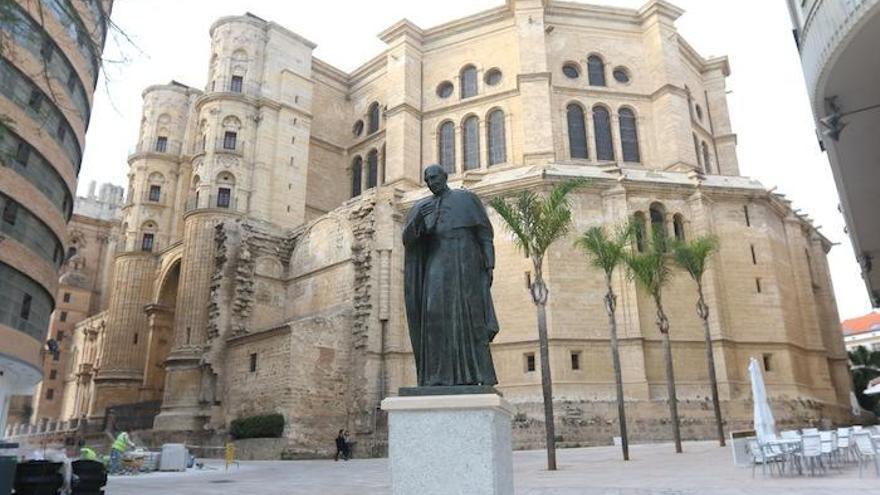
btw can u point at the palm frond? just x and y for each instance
(692, 256)
(510, 210)
(650, 269)
(605, 251)
(537, 221)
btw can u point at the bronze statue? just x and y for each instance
(448, 276)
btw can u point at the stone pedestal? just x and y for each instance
(450, 444)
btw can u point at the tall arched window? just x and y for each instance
(446, 147)
(658, 224)
(372, 168)
(577, 131)
(640, 231)
(697, 151)
(382, 172)
(468, 81)
(629, 135)
(471, 142)
(356, 168)
(707, 158)
(678, 227)
(496, 137)
(602, 131)
(596, 70)
(373, 118)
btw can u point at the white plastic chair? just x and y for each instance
(843, 443)
(767, 456)
(829, 445)
(811, 452)
(865, 451)
(790, 435)
(810, 431)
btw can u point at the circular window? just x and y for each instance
(571, 71)
(358, 128)
(444, 89)
(493, 77)
(621, 75)
(699, 111)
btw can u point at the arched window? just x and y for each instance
(577, 131)
(496, 137)
(697, 151)
(602, 131)
(373, 118)
(468, 81)
(471, 142)
(225, 186)
(629, 135)
(372, 168)
(356, 168)
(658, 225)
(678, 227)
(596, 70)
(639, 231)
(382, 172)
(707, 158)
(446, 147)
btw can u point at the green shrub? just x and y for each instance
(263, 426)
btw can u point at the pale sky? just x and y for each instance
(769, 108)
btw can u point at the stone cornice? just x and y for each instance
(403, 27)
(258, 335)
(660, 7)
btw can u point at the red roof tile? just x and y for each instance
(862, 324)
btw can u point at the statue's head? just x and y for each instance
(435, 178)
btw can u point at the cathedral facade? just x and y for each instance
(259, 265)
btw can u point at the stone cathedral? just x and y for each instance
(258, 266)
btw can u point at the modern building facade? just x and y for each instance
(48, 71)
(837, 40)
(259, 267)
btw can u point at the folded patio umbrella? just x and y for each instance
(765, 425)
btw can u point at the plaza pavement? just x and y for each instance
(703, 468)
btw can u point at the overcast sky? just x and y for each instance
(768, 100)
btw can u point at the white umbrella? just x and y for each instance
(873, 389)
(765, 425)
(854, 402)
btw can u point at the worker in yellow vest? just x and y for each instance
(85, 453)
(120, 445)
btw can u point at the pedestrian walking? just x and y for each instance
(340, 446)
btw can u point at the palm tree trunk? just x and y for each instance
(547, 388)
(663, 325)
(703, 311)
(539, 296)
(610, 304)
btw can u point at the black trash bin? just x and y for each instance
(89, 478)
(8, 461)
(38, 478)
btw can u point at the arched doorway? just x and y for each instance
(161, 316)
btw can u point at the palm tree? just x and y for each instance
(537, 222)
(606, 253)
(692, 257)
(864, 365)
(652, 272)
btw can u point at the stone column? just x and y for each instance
(181, 407)
(629, 332)
(534, 87)
(161, 320)
(701, 224)
(403, 120)
(121, 372)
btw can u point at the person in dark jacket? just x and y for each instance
(341, 447)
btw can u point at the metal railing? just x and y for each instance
(247, 88)
(155, 146)
(221, 145)
(213, 201)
